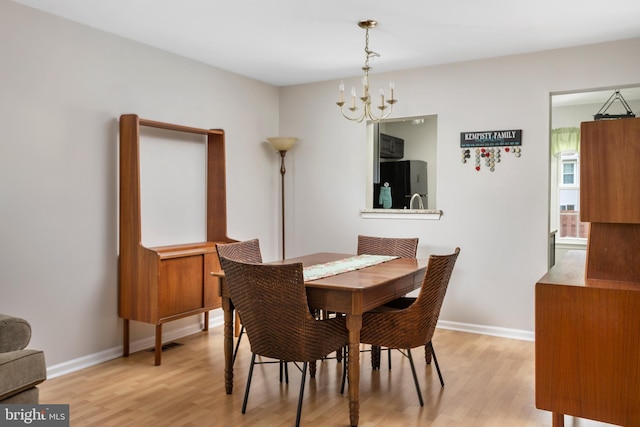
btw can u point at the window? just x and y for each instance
(568, 193)
(569, 172)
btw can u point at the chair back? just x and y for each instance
(247, 251)
(432, 292)
(395, 246)
(272, 303)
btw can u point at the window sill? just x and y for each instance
(565, 243)
(401, 214)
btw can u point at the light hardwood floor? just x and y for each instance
(489, 381)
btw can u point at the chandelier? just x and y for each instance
(365, 99)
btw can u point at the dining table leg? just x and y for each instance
(228, 344)
(354, 324)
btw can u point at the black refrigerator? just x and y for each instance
(405, 178)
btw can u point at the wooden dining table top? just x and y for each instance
(364, 278)
(375, 284)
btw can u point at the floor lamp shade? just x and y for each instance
(282, 143)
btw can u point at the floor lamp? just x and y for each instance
(282, 144)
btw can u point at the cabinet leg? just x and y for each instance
(158, 352)
(557, 420)
(125, 338)
(206, 321)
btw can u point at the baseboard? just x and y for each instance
(218, 320)
(516, 334)
(215, 320)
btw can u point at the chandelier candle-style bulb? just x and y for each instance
(353, 99)
(386, 105)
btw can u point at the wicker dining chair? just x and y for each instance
(272, 302)
(413, 322)
(396, 246)
(403, 247)
(245, 251)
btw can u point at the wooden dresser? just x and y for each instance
(587, 346)
(588, 305)
(161, 284)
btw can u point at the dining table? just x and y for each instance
(348, 291)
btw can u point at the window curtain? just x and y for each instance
(565, 139)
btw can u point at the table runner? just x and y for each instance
(319, 271)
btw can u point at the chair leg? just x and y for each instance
(344, 369)
(246, 391)
(302, 381)
(284, 369)
(389, 357)
(415, 377)
(435, 361)
(375, 357)
(427, 354)
(235, 351)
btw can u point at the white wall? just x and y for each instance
(63, 87)
(499, 219)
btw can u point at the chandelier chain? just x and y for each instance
(367, 52)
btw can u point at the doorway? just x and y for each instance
(568, 111)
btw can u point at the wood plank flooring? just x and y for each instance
(489, 381)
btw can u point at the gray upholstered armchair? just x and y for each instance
(20, 370)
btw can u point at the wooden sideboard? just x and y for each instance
(160, 284)
(588, 305)
(587, 345)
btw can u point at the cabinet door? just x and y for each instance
(609, 172)
(180, 285)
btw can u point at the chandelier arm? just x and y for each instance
(353, 119)
(367, 113)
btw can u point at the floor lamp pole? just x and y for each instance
(282, 144)
(282, 172)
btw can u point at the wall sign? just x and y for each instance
(485, 145)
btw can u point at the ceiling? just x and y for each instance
(286, 42)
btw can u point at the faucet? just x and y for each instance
(420, 205)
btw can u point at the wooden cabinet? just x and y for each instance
(610, 199)
(587, 352)
(609, 172)
(588, 306)
(161, 284)
(391, 147)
